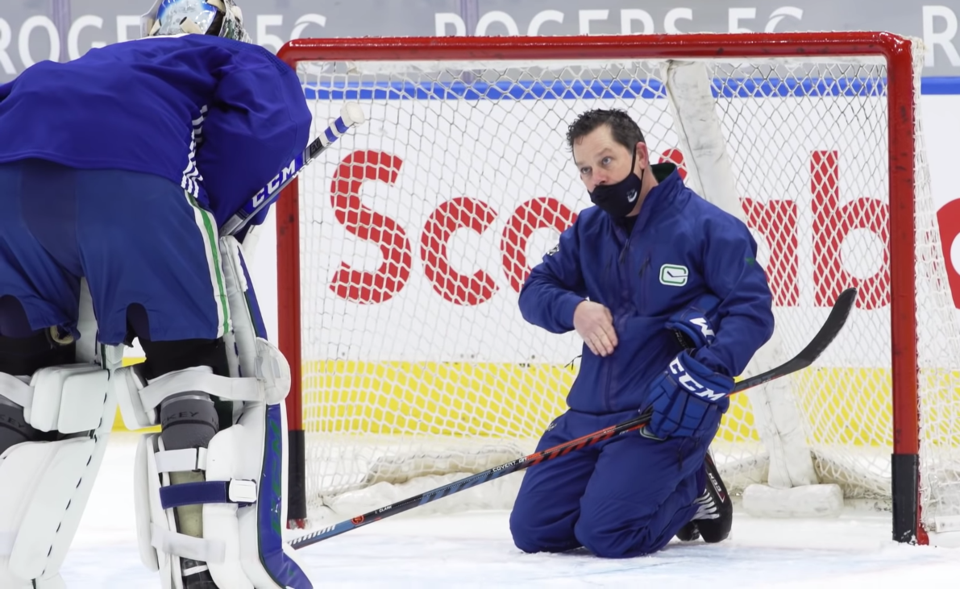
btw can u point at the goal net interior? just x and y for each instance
(417, 229)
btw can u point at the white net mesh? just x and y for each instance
(418, 228)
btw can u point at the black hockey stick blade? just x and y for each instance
(828, 332)
(808, 355)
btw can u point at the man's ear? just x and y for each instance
(643, 155)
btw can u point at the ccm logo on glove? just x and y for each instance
(687, 399)
(689, 383)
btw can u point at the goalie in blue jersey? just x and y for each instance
(664, 289)
(116, 170)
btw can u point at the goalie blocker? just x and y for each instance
(209, 497)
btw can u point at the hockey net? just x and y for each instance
(407, 243)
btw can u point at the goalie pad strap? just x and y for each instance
(209, 551)
(236, 491)
(233, 389)
(181, 460)
(16, 390)
(269, 382)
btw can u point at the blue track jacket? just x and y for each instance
(218, 117)
(680, 248)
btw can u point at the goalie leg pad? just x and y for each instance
(249, 451)
(244, 466)
(243, 469)
(162, 547)
(45, 485)
(188, 423)
(267, 560)
(170, 464)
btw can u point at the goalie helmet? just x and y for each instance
(222, 18)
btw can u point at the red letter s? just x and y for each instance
(392, 274)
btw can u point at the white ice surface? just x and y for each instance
(474, 550)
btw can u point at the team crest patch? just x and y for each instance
(673, 275)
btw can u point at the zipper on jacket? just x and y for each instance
(643, 284)
(607, 384)
(612, 383)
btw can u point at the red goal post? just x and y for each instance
(899, 56)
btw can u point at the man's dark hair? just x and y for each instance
(624, 129)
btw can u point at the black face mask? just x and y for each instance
(617, 200)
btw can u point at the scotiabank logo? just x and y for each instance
(778, 221)
(396, 247)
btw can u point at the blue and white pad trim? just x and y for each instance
(267, 559)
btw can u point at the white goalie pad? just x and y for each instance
(243, 515)
(45, 485)
(244, 466)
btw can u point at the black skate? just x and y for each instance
(714, 516)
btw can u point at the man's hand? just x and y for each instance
(687, 399)
(594, 323)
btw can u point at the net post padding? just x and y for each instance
(775, 410)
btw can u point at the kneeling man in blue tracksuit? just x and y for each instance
(665, 291)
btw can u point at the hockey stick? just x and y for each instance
(831, 327)
(351, 115)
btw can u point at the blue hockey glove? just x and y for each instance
(688, 399)
(692, 326)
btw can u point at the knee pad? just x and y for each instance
(242, 461)
(46, 484)
(188, 420)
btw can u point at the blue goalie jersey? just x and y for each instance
(218, 117)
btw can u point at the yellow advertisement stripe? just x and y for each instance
(844, 406)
